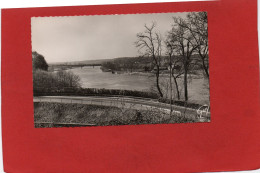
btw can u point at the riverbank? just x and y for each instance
(49, 114)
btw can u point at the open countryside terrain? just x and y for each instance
(198, 86)
(73, 111)
(161, 75)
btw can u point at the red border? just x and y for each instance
(229, 142)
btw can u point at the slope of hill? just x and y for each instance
(130, 62)
(98, 61)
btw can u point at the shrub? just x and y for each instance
(53, 82)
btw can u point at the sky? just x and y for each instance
(78, 38)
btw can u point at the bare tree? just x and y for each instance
(67, 79)
(197, 24)
(184, 44)
(176, 69)
(150, 43)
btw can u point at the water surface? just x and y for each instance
(198, 87)
(95, 78)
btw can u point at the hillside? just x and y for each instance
(98, 61)
(128, 63)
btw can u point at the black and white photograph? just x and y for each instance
(125, 69)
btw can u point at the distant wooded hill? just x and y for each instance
(98, 61)
(145, 63)
(141, 60)
(130, 63)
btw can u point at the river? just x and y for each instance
(95, 78)
(198, 88)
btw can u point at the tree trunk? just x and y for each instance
(157, 82)
(185, 83)
(205, 68)
(170, 86)
(177, 87)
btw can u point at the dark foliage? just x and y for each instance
(76, 91)
(38, 62)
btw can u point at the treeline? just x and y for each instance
(128, 64)
(186, 38)
(41, 91)
(144, 64)
(42, 78)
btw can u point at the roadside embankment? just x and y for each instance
(71, 115)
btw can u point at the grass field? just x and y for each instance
(100, 115)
